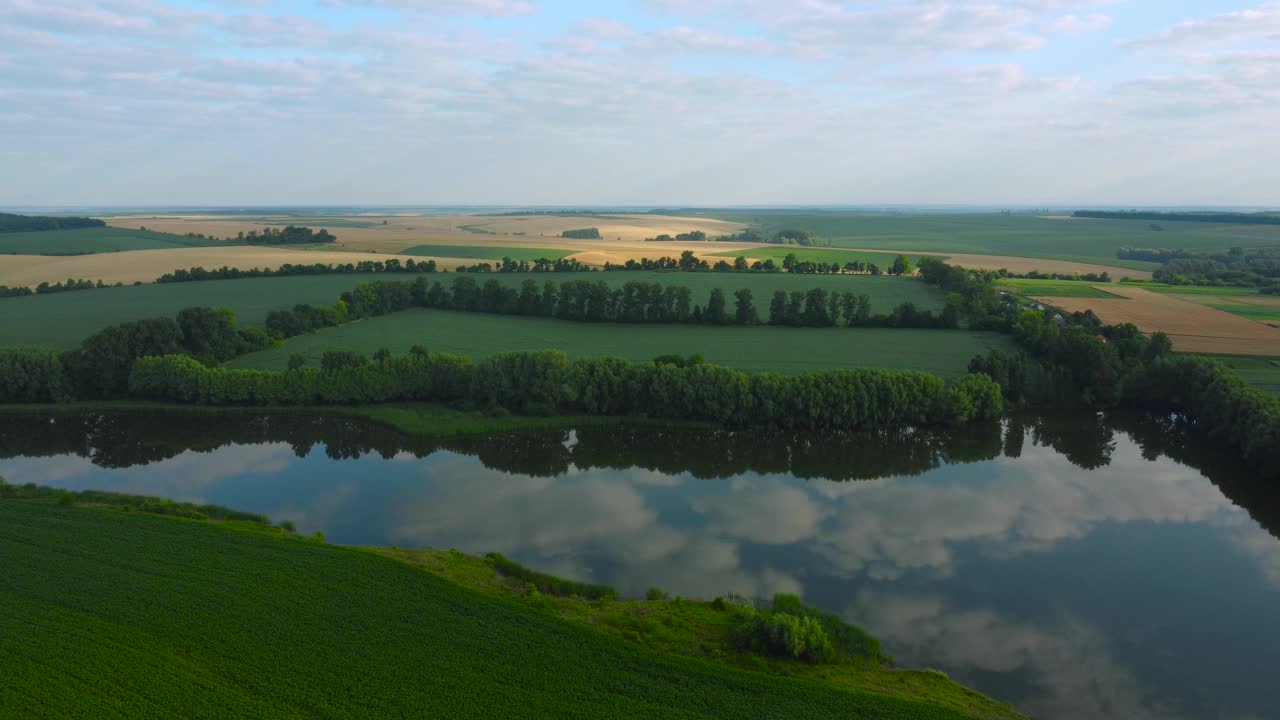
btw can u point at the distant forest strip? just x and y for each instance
(1263, 218)
(10, 223)
(1236, 267)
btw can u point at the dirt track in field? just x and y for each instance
(1191, 326)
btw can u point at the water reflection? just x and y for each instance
(1077, 565)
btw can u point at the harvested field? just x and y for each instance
(1025, 265)
(1192, 327)
(147, 265)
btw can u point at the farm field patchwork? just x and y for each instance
(1087, 241)
(1191, 326)
(147, 265)
(486, 252)
(127, 614)
(753, 349)
(86, 241)
(61, 320)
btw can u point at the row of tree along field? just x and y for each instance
(587, 301)
(546, 383)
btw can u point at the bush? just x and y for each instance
(656, 594)
(785, 635)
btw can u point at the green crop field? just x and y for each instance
(109, 614)
(1262, 373)
(1191, 289)
(487, 253)
(754, 349)
(1054, 288)
(61, 320)
(93, 240)
(1091, 241)
(777, 254)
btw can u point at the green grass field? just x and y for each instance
(753, 349)
(1053, 288)
(1258, 313)
(1091, 241)
(1191, 289)
(777, 254)
(110, 614)
(93, 240)
(486, 253)
(1262, 373)
(61, 320)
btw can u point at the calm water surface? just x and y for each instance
(1078, 566)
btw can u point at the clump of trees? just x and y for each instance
(289, 235)
(12, 223)
(582, 234)
(691, 236)
(1258, 268)
(789, 629)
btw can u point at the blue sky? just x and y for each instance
(639, 102)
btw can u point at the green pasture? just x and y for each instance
(1224, 290)
(94, 240)
(111, 614)
(1091, 241)
(480, 252)
(753, 349)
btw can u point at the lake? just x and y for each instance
(1078, 566)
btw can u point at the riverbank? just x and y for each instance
(414, 419)
(142, 615)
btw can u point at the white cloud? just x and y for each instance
(1080, 24)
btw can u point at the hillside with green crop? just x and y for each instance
(110, 614)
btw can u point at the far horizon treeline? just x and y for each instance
(11, 223)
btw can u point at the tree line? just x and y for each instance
(1266, 218)
(1236, 267)
(587, 301)
(540, 265)
(364, 267)
(582, 234)
(545, 382)
(12, 223)
(46, 288)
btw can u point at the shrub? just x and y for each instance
(656, 594)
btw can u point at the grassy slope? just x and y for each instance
(1094, 241)
(1053, 288)
(62, 320)
(755, 349)
(93, 240)
(486, 253)
(111, 614)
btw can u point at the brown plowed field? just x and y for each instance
(1192, 327)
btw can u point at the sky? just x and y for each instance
(639, 102)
